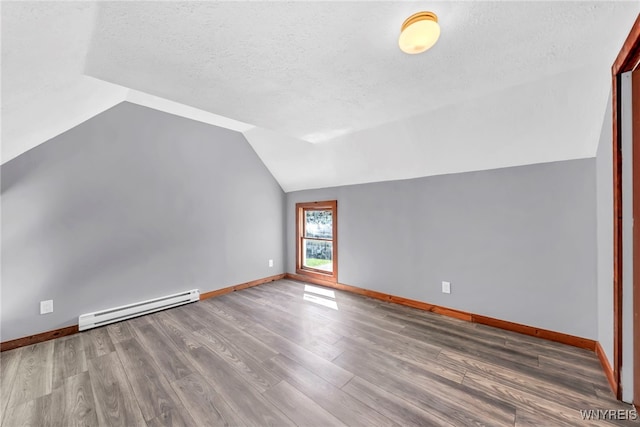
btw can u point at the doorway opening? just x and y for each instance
(627, 61)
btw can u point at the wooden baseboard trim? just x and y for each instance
(70, 330)
(560, 337)
(234, 288)
(606, 367)
(458, 314)
(41, 337)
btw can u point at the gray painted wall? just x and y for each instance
(517, 244)
(604, 186)
(130, 205)
(626, 377)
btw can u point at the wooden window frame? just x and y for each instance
(627, 60)
(312, 272)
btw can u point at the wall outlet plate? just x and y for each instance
(270, 263)
(446, 287)
(46, 306)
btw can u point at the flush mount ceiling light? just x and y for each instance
(419, 32)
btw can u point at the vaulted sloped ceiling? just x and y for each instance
(320, 89)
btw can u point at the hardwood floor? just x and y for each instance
(271, 356)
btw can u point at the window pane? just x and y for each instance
(317, 254)
(318, 224)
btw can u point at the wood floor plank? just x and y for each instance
(606, 398)
(141, 320)
(545, 408)
(309, 322)
(315, 363)
(391, 406)
(9, 363)
(472, 346)
(172, 418)
(163, 351)
(97, 343)
(299, 408)
(441, 396)
(410, 348)
(343, 406)
(569, 368)
(179, 333)
(204, 403)
(74, 404)
(298, 304)
(451, 357)
(325, 318)
(371, 330)
(34, 377)
(240, 359)
(273, 296)
(530, 383)
(535, 344)
(115, 401)
(68, 359)
(187, 314)
(152, 390)
(526, 418)
(416, 314)
(238, 319)
(436, 327)
(321, 367)
(406, 360)
(33, 413)
(313, 333)
(305, 326)
(119, 332)
(245, 400)
(550, 349)
(232, 329)
(306, 332)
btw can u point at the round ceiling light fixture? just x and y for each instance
(419, 32)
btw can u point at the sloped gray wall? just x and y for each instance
(130, 205)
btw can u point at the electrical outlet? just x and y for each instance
(46, 306)
(270, 263)
(446, 287)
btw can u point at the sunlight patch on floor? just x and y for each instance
(313, 297)
(320, 291)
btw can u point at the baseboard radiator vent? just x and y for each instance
(117, 314)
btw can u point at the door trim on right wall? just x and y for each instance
(635, 315)
(627, 60)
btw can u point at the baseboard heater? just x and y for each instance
(117, 314)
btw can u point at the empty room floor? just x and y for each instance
(286, 353)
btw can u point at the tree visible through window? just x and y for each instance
(316, 239)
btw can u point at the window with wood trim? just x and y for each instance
(317, 240)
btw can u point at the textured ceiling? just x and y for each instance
(508, 83)
(44, 91)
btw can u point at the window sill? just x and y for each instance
(318, 274)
